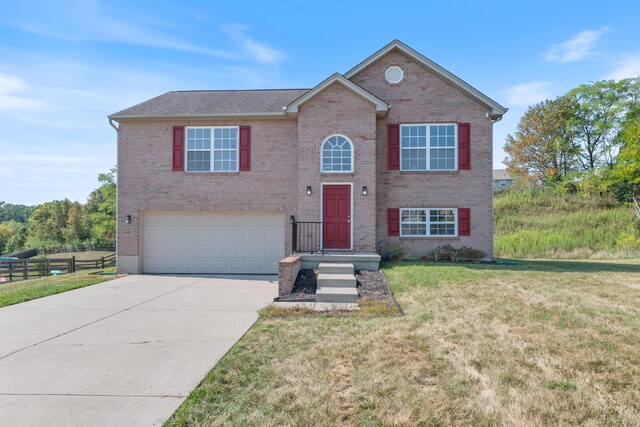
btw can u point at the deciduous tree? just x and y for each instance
(542, 147)
(597, 120)
(102, 208)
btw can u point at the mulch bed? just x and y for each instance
(304, 289)
(372, 286)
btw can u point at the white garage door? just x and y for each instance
(230, 242)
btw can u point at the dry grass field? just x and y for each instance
(538, 343)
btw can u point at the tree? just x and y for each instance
(626, 172)
(13, 236)
(48, 222)
(18, 213)
(542, 147)
(78, 227)
(102, 208)
(597, 120)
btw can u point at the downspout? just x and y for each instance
(112, 125)
(493, 231)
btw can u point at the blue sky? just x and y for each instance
(66, 65)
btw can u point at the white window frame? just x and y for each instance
(428, 223)
(322, 153)
(212, 150)
(456, 143)
(393, 67)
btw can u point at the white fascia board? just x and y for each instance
(381, 106)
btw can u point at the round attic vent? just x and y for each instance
(394, 74)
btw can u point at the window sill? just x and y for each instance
(453, 172)
(445, 238)
(336, 173)
(212, 173)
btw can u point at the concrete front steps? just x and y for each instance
(336, 283)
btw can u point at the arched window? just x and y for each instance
(337, 155)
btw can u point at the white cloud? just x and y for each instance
(530, 93)
(90, 21)
(577, 48)
(257, 51)
(627, 66)
(9, 86)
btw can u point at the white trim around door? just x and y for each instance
(322, 184)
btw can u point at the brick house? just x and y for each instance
(396, 150)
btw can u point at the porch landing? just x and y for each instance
(359, 261)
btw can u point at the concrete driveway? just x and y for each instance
(125, 352)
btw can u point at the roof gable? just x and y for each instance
(497, 110)
(381, 107)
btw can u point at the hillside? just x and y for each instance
(540, 223)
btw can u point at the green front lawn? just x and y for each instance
(25, 290)
(539, 343)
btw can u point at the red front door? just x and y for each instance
(336, 216)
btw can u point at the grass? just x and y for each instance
(540, 223)
(25, 290)
(537, 343)
(367, 309)
(81, 256)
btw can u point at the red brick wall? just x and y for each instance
(424, 97)
(339, 110)
(147, 182)
(288, 270)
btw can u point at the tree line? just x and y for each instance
(585, 140)
(62, 222)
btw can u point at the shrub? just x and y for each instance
(444, 253)
(449, 253)
(466, 253)
(396, 252)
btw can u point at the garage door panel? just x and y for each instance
(254, 266)
(238, 249)
(204, 265)
(220, 250)
(254, 250)
(222, 266)
(272, 234)
(204, 249)
(238, 232)
(272, 250)
(240, 242)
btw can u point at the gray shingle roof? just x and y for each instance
(202, 103)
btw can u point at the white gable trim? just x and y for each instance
(381, 107)
(497, 110)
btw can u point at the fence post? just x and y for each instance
(25, 269)
(294, 237)
(102, 261)
(47, 267)
(73, 264)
